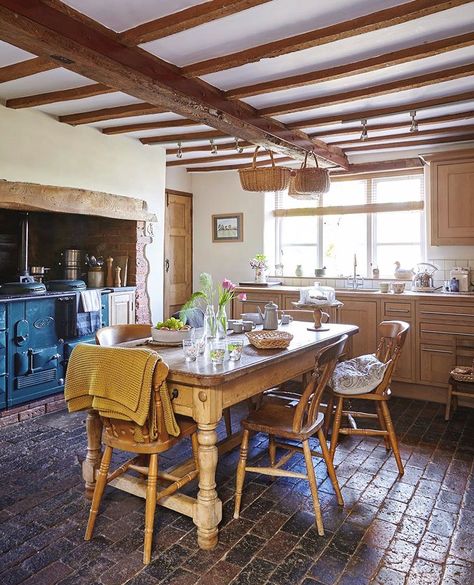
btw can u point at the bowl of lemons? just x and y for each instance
(171, 332)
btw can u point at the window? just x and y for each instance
(384, 224)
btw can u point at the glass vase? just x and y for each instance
(221, 318)
(210, 323)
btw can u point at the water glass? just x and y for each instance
(190, 349)
(217, 352)
(235, 348)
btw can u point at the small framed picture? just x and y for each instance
(227, 228)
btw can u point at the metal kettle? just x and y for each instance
(270, 317)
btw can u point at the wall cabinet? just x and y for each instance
(122, 307)
(452, 199)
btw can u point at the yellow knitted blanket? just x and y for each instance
(117, 382)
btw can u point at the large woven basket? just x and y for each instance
(311, 180)
(264, 178)
(269, 339)
(292, 192)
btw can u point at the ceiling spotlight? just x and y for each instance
(238, 148)
(179, 154)
(414, 122)
(213, 146)
(364, 135)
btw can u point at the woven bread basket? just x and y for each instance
(311, 180)
(462, 374)
(292, 192)
(264, 178)
(269, 339)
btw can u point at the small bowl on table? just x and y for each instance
(169, 336)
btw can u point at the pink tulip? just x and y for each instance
(228, 284)
(242, 296)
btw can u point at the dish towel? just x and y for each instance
(117, 382)
(91, 301)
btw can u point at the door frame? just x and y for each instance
(182, 194)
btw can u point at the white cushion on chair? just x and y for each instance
(358, 375)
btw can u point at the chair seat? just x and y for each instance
(359, 375)
(187, 427)
(275, 418)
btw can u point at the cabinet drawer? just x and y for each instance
(460, 313)
(397, 309)
(445, 333)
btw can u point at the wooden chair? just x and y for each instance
(120, 434)
(463, 356)
(392, 335)
(295, 423)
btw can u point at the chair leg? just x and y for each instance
(328, 414)
(195, 448)
(330, 467)
(392, 436)
(336, 426)
(101, 482)
(313, 486)
(150, 505)
(447, 413)
(272, 450)
(228, 421)
(241, 472)
(383, 426)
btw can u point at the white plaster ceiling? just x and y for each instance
(10, 54)
(45, 82)
(107, 100)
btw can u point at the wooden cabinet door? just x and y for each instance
(122, 308)
(436, 361)
(452, 203)
(364, 315)
(405, 370)
(255, 300)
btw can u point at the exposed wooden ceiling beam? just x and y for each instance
(63, 95)
(25, 68)
(205, 135)
(216, 158)
(258, 163)
(455, 131)
(355, 68)
(184, 20)
(380, 166)
(41, 28)
(388, 111)
(323, 134)
(342, 30)
(408, 143)
(205, 148)
(115, 113)
(180, 123)
(371, 91)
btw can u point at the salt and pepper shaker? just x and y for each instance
(118, 280)
(109, 279)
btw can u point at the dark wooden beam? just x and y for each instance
(380, 167)
(180, 123)
(63, 95)
(388, 111)
(456, 130)
(117, 112)
(184, 20)
(259, 163)
(25, 68)
(342, 30)
(371, 91)
(323, 134)
(191, 136)
(41, 28)
(408, 143)
(355, 68)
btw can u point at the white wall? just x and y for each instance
(178, 179)
(221, 192)
(36, 148)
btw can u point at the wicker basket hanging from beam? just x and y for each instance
(292, 192)
(311, 180)
(264, 178)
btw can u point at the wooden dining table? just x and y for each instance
(201, 391)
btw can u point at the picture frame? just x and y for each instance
(228, 227)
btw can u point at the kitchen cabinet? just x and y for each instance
(122, 307)
(399, 310)
(452, 200)
(362, 313)
(436, 361)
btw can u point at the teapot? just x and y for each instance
(270, 317)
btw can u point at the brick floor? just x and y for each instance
(417, 530)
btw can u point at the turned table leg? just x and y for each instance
(92, 461)
(208, 509)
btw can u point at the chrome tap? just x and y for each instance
(354, 281)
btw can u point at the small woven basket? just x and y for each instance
(265, 178)
(269, 339)
(462, 374)
(311, 180)
(292, 192)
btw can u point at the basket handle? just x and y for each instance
(303, 164)
(254, 161)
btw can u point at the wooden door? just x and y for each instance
(178, 274)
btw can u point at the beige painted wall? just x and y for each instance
(34, 147)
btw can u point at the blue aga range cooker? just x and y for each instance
(38, 330)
